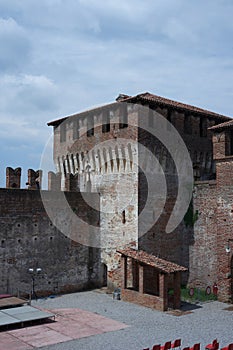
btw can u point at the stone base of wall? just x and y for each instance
(70, 288)
(147, 300)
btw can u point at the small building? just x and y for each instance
(151, 280)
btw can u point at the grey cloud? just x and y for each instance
(28, 92)
(62, 57)
(15, 45)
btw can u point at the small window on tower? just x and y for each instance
(63, 132)
(203, 127)
(105, 121)
(188, 124)
(90, 126)
(231, 143)
(150, 117)
(169, 114)
(75, 129)
(123, 116)
(123, 217)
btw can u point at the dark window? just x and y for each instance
(231, 143)
(123, 116)
(187, 124)
(75, 129)
(123, 217)
(203, 127)
(169, 114)
(63, 132)
(105, 121)
(90, 126)
(151, 118)
(64, 167)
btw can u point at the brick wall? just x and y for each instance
(28, 239)
(210, 262)
(203, 269)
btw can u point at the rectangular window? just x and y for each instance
(203, 127)
(63, 132)
(229, 143)
(90, 126)
(75, 129)
(123, 116)
(150, 118)
(105, 121)
(187, 124)
(169, 114)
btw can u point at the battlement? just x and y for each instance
(35, 177)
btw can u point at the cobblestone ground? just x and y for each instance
(197, 323)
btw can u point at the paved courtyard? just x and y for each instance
(93, 320)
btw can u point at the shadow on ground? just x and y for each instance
(185, 309)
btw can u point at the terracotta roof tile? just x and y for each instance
(147, 98)
(162, 101)
(84, 113)
(152, 260)
(225, 125)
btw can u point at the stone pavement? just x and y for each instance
(70, 324)
(93, 320)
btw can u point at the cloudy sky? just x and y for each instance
(59, 57)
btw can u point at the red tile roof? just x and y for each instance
(165, 102)
(148, 98)
(225, 125)
(82, 114)
(152, 260)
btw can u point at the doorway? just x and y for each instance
(104, 275)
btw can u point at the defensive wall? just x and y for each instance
(30, 240)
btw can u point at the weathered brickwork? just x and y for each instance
(203, 267)
(107, 168)
(28, 239)
(211, 254)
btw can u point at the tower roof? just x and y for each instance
(225, 125)
(148, 98)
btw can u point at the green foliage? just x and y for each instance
(190, 217)
(170, 291)
(199, 295)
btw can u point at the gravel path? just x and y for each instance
(147, 327)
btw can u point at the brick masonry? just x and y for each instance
(28, 239)
(211, 253)
(111, 171)
(86, 162)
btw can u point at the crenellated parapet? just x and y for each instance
(56, 181)
(34, 179)
(13, 177)
(72, 183)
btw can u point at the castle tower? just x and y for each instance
(101, 147)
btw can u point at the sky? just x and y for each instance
(60, 57)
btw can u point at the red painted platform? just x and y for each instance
(70, 324)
